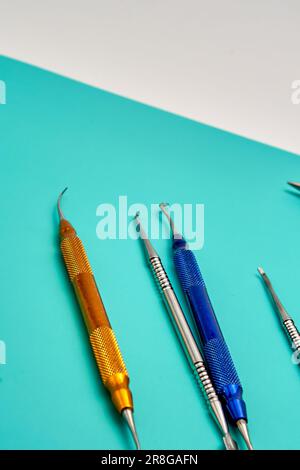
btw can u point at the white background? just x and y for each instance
(229, 63)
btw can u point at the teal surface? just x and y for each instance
(56, 132)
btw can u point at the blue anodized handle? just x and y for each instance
(214, 347)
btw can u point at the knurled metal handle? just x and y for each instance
(293, 333)
(103, 341)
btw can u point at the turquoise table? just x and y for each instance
(56, 132)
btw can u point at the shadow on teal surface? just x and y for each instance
(57, 132)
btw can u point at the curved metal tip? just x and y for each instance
(163, 206)
(294, 185)
(128, 416)
(243, 428)
(61, 216)
(229, 442)
(261, 271)
(280, 308)
(139, 227)
(143, 235)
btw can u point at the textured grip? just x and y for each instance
(215, 349)
(293, 333)
(187, 269)
(160, 274)
(225, 377)
(75, 257)
(193, 286)
(107, 353)
(199, 368)
(220, 364)
(204, 381)
(103, 341)
(111, 366)
(216, 352)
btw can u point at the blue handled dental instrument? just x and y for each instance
(186, 337)
(214, 347)
(286, 320)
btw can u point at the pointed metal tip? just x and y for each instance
(148, 246)
(218, 413)
(261, 271)
(229, 442)
(162, 207)
(128, 416)
(243, 428)
(61, 216)
(136, 219)
(280, 308)
(294, 185)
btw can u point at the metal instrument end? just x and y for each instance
(294, 185)
(137, 220)
(229, 442)
(243, 428)
(127, 414)
(281, 310)
(148, 245)
(218, 413)
(261, 271)
(163, 206)
(61, 216)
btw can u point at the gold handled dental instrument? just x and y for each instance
(102, 338)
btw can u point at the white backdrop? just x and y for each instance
(229, 63)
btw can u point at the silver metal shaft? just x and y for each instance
(163, 206)
(294, 185)
(187, 339)
(127, 414)
(243, 428)
(287, 322)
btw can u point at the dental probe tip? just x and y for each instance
(243, 428)
(136, 218)
(261, 271)
(294, 185)
(149, 247)
(128, 416)
(280, 308)
(162, 207)
(61, 216)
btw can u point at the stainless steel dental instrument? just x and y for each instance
(186, 337)
(287, 322)
(214, 347)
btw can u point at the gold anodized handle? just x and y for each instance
(103, 341)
